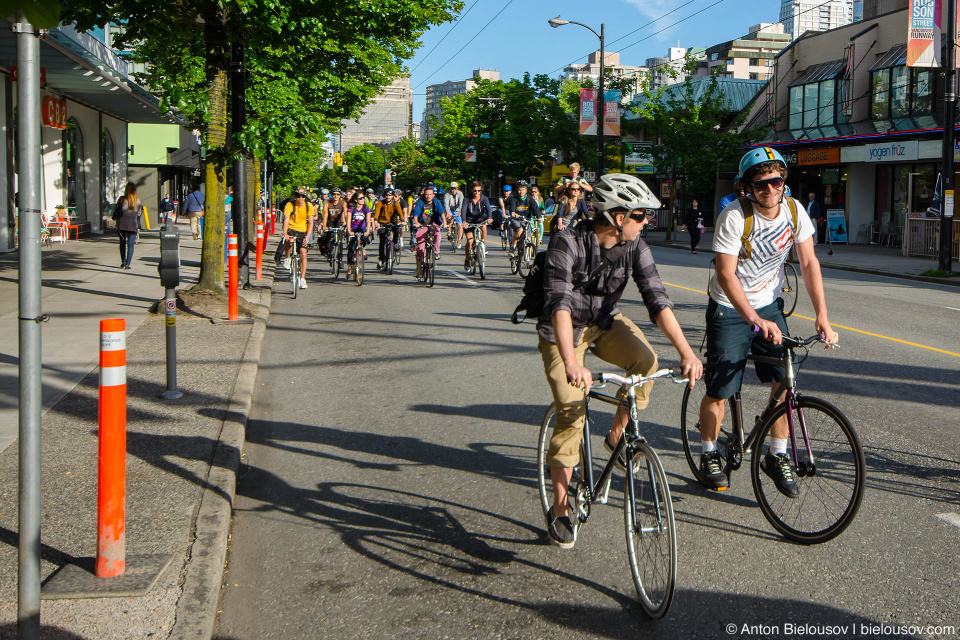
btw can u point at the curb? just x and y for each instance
(196, 612)
(952, 282)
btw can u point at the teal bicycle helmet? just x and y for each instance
(760, 155)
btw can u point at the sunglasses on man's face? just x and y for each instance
(639, 217)
(761, 185)
(477, 190)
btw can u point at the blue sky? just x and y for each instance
(520, 40)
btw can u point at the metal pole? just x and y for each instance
(170, 309)
(949, 122)
(239, 119)
(28, 157)
(603, 112)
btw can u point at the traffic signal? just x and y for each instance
(337, 159)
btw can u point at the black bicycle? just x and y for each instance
(429, 266)
(647, 506)
(392, 246)
(359, 255)
(335, 251)
(823, 448)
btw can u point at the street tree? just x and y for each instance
(409, 162)
(307, 72)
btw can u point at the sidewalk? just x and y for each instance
(860, 258)
(182, 454)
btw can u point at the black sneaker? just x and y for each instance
(562, 533)
(711, 471)
(777, 466)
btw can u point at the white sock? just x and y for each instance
(778, 445)
(709, 446)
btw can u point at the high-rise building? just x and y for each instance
(799, 16)
(450, 88)
(749, 57)
(384, 122)
(874, 8)
(669, 69)
(611, 62)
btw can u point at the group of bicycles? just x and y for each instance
(824, 448)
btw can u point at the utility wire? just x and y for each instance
(437, 46)
(497, 15)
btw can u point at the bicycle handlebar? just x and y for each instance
(795, 342)
(601, 379)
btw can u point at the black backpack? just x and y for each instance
(532, 301)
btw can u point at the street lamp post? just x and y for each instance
(559, 22)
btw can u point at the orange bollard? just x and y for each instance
(232, 310)
(111, 474)
(259, 249)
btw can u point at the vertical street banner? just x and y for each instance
(588, 112)
(611, 113)
(923, 35)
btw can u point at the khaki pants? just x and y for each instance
(623, 346)
(195, 223)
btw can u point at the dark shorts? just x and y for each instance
(729, 339)
(300, 237)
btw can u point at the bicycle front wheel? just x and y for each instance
(388, 258)
(526, 260)
(481, 259)
(337, 259)
(790, 289)
(544, 479)
(651, 531)
(428, 264)
(361, 254)
(295, 273)
(504, 238)
(831, 483)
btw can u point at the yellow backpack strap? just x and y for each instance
(793, 213)
(747, 207)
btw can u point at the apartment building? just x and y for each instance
(386, 121)
(800, 16)
(749, 57)
(611, 62)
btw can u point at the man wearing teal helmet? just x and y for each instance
(754, 236)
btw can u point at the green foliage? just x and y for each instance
(697, 134)
(42, 14)
(297, 162)
(409, 163)
(364, 166)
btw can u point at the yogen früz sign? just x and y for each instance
(892, 151)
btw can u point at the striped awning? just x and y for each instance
(818, 72)
(895, 57)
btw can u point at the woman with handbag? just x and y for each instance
(127, 212)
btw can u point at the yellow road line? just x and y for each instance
(840, 326)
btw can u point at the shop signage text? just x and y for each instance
(790, 158)
(892, 151)
(819, 156)
(53, 111)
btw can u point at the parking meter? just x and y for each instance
(169, 266)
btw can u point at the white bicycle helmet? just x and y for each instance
(622, 191)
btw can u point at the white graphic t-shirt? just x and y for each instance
(761, 275)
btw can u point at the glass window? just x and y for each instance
(880, 94)
(810, 105)
(899, 94)
(922, 91)
(796, 107)
(108, 176)
(73, 179)
(827, 102)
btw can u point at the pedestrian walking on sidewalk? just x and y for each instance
(816, 216)
(193, 207)
(130, 212)
(693, 221)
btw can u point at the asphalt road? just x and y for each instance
(388, 488)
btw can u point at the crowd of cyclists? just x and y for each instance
(364, 215)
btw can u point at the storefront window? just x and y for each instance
(810, 105)
(924, 183)
(900, 96)
(796, 107)
(827, 106)
(922, 91)
(880, 94)
(73, 178)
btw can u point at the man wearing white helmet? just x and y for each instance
(754, 236)
(453, 202)
(586, 272)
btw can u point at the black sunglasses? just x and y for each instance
(761, 185)
(639, 217)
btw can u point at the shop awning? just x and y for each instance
(895, 57)
(818, 72)
(83, 69)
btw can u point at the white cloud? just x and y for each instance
(651, 11)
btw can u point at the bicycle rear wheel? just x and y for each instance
(790, 289)
(651, 532)
(690, 430)
(545, 481)
(831, 488)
